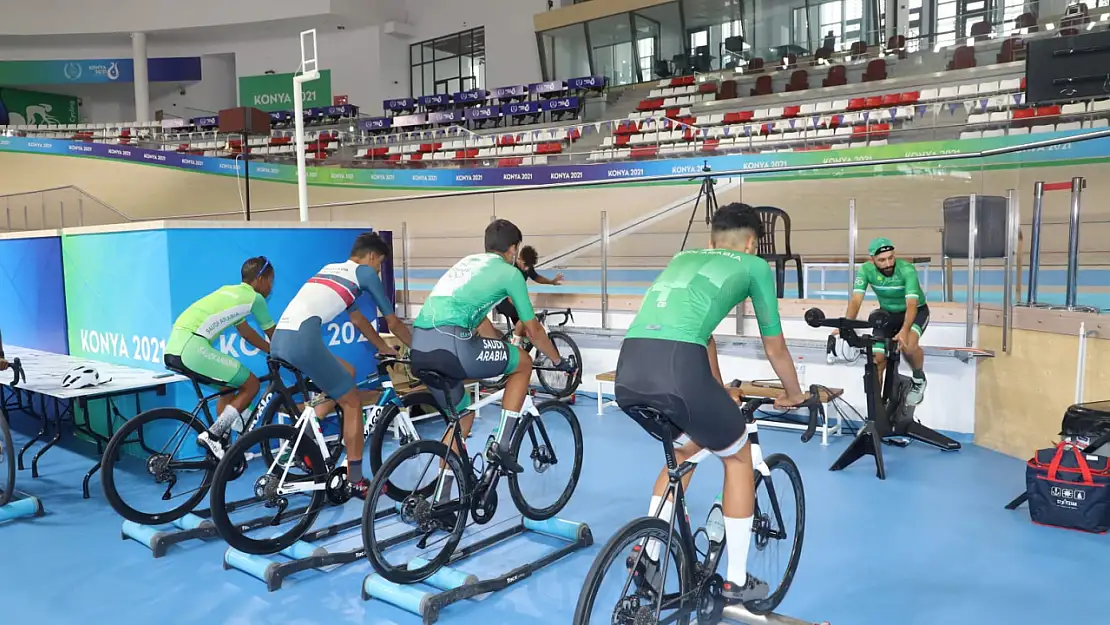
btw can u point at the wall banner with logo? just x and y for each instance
(19, 107)
(83, 71)
(274, 92)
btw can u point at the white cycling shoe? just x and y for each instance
(916, 392)
(215, 445)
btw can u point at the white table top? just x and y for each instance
(45, 371)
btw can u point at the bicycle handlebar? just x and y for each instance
(878, 322)
(567, 314)
(812, 402)
(17, 372)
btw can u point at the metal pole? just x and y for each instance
(1081, 363)
(80, 211)
(26, 219)
(1035, 243)
(1077, 185)
(972, 236)
(405, 266)
(8, 211)
(604, 270)
(1008, 279)
(42, 218)
(62, 214)
(853, 232)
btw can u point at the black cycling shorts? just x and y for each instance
(897, 319)
(457, 355)
(674, 378)
(505, 307)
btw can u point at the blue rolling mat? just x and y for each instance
(28, 506)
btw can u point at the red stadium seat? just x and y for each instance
(838, 76)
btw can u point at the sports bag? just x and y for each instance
(1084, 423)
(1069, 489)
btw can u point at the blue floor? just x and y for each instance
(931, 545)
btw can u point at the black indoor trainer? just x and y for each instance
(753, 589)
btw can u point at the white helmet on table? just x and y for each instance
(83, 377)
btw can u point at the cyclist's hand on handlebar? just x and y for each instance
(3, 364)
(791, 401)
(558, 279)
(388, 352)
(736, 394)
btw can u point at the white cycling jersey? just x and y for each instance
(333, 290)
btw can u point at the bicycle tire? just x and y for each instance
(618, 546)
(540, 514)
(402, 574)
(573, 381)
(114, 449)
(381, 429)
(7, 457)
(230, 532)
(790, 468)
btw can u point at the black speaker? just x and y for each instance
(1067, 68)
(990, 215)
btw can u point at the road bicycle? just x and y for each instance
(644, 600)
(556, 383)
(301, 463)
(7, 448)
(434, 514)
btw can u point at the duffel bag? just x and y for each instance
(1069, 489)
(1083, 424)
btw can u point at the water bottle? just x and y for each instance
(715, 523)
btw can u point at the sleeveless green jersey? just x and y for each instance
(699, 288)
(467, 292)
(893, 291)
(209, 316)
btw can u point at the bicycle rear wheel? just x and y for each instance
(394, 429)
(630, 594)
(779, 527)
(551, 447)
(7, 463)
(160, 446)
(558, 383)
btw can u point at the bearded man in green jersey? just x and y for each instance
(668, 362)
(895, 284)
(190, 347)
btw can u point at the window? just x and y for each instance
(698, 39)
(1011, 9)
(645, 49)
(913, 27)
(448, 64)
(844, 18)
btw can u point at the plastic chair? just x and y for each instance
(763, 86)
(767, 247)
(799, 81)
(838, 75)
(964, 58)
(876, 70)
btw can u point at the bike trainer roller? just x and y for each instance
(450, 585)
(737, 614)
(303, 555)
(25, 506)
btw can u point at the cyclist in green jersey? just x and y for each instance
(668, 362)
(895, 284)
(190, 347)
(453, 336)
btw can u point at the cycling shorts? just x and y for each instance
(505, 307)
(674, 378)
(897, 319)
(457, 354)
(304, 349)
(196, 355)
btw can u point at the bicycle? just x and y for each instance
(302, 447)
(699, 583)
(476, 490)
(549, 378)
(7, 448)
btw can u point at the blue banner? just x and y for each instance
(561, 104)
(483, 112)
(83, 71)
(205, 122)
(439, 99)
(399, 104)
(474, 95)
(375, 123)
(444, 117)
(551, 86)
(510, 92)
(587, 82)
(520, 108)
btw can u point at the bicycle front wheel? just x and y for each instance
(394, 428)
(167, 467)
(549, 447)
(625, 587)
(284, 517)
(777, 530)
(7, 463)
(558, 383)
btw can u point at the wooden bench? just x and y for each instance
(771, 390)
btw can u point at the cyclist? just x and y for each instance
(299, 339)
(191, 344)
(896, 287)
(668, 362)
(526, 263)
(453, 335)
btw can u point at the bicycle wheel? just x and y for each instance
(179, 460)
(434, 524)
(553, 444)
(394, 429)
(7, 463)
(620, 598)
(304, 464)
(558, 383)
(774, 529)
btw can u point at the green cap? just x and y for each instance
(879, 245)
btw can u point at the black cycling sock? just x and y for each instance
(354, 471)
(919, 374)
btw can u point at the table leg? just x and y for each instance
(42, 432)
(58, 413)
(600, 405)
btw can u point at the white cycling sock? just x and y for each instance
(504, 432)
(226, 420)
(738, 534)
(654, 546)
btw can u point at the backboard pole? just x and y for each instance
(309, 72)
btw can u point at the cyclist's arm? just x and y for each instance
(254, 338)
(261, 313)
(518, 292)
(364, 326)
(371, 282)
(909, 276)
(859, 289)
(765, 303)
(714, 364)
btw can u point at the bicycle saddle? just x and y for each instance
(655, 422)
(435, 379)
(278, 363)
(174, 364)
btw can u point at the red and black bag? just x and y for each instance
(1069, 489)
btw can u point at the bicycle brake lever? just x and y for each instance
(816, 410)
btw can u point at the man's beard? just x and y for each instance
(888, 272)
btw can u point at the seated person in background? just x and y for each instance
(896, 287)
(668, 362)
(526, 262)
(191, 344)
(299, 338)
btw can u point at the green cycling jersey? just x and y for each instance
(891, 291)
(699, 288)
(209, 316)
(467, 292)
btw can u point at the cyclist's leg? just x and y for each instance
(200, 357)
(915, 356)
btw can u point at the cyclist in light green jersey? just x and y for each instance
(896, 287)
(191, 348)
